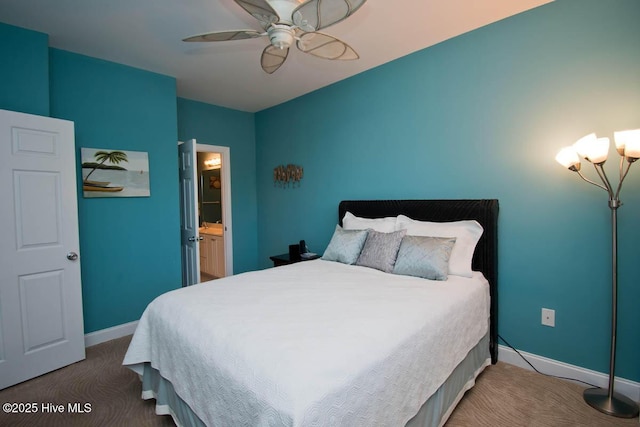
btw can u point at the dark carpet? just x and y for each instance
(108, 394)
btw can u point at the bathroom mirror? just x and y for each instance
(209, 187)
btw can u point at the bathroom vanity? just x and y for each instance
(212, 250)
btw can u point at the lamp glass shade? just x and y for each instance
(568, 157)
(584, 145)
(632, 149)
(592, 148)
(628, 142)
(599, 151)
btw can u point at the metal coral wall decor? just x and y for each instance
(289, 175)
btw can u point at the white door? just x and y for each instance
(41, 323)
(189, 224)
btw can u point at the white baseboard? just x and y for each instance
(109, 334)
(629, 388)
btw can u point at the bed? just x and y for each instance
(323, 342)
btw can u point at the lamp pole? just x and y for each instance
(595, 150)
(609, 401)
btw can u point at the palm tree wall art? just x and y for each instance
(103, 175)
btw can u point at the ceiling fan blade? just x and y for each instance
(319, 14)
(223, 36)
(261, 10)
(272, 58)
(325, 46)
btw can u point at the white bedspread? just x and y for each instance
(316, 343)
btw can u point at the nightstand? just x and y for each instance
(284, 259)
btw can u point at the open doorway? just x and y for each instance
(214, 194)
(207, 245)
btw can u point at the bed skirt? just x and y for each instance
(433, 413)
(438, 408)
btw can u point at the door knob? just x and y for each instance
(72, 256)
(194, 238)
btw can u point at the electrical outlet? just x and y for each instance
(548, 317)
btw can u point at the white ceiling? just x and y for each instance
(147, 34)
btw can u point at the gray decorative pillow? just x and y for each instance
(426, 257)
(380, 250)
(345, 245)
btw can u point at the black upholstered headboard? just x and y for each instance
(485, 258)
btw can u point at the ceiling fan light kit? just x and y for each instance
(286, 21)
(281, 36)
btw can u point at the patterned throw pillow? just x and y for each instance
(426, 257)
(467, 234)
(380, 250)
(345, 245)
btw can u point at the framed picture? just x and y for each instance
(114, 173)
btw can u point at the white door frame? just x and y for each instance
(225, 157)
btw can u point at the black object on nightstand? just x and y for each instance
(285, 259)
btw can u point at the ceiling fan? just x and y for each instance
(286, 21)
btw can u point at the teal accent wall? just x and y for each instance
(483, 116)
(130, 247)
(213, 125)
(24, 74)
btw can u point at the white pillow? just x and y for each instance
(383, 225)
(467, 234)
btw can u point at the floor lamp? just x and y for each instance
(595, 150)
